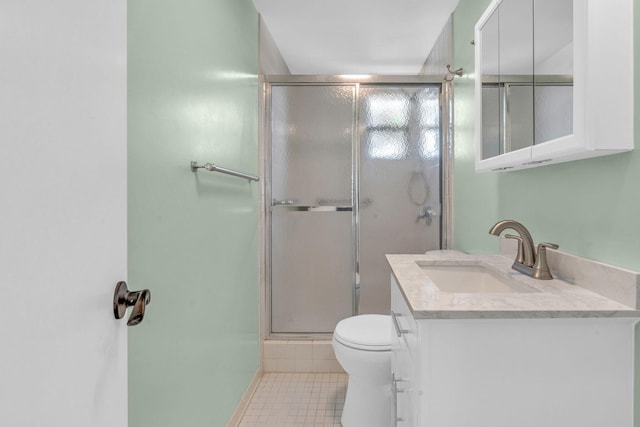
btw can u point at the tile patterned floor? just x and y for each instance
(297, 399)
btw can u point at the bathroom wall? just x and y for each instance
(193, 238)
(476, 196)
(271, 60)
(441, 54)
(591, 208)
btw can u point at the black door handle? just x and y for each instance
(124, 298)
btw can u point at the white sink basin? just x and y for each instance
(472, 278)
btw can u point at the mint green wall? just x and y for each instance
(193, 239)
(475, 202)
(591, 208)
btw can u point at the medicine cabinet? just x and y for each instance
(553, 82)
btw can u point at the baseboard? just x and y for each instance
(246, 398)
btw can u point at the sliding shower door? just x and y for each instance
(354, 174)
(311, 208)
(399, 182)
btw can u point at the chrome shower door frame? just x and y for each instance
(355, 82)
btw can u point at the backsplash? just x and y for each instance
(618, 284)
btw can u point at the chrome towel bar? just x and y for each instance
(213, 168)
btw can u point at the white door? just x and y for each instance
(62, 212)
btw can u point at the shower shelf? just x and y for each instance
(213, 168)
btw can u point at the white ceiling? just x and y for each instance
(383, 37)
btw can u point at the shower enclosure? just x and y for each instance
(353, 173)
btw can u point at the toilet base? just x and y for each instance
(367, 404)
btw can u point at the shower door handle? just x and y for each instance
(289, 202)
(300, 208)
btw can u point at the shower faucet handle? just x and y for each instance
(427, 213)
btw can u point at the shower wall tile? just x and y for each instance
(274, 350)
(323, 350)
(302, 350)
(304, 365)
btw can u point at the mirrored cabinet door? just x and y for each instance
(492, 105)
(516, 73)
(507, 80)
(553, 70)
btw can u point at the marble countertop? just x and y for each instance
(551, 298)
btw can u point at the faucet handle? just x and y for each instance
(541, 267)
(520, 255)
(547, 245)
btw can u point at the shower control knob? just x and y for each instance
(427, 213)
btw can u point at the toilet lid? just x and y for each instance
(365, 332)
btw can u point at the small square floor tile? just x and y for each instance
(300, 399)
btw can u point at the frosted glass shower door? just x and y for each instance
(400, 197)
(312, 223)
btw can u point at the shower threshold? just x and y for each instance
(300, 355)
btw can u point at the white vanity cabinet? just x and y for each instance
(467, 369)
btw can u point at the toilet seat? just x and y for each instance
(368, 332)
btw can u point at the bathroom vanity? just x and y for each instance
(476, 343)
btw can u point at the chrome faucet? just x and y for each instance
(527, 262)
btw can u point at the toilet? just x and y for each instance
(362, 345)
